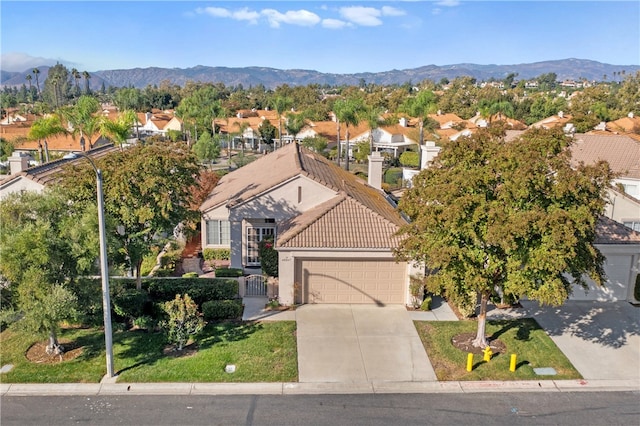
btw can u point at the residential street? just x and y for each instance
(580, 408)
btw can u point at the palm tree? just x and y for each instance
(281, 104)
(36, 71)
(348, 112)
(43, 128)
(29, 78)
(86, 76)
(76, 76)
(420, 106)
(119, 129)
(373, 119)
(83, 119)
(501, 108)
(295, 123)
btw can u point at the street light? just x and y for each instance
(104, 266)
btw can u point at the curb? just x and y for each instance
(107, 389)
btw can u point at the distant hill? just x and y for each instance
(271, 77)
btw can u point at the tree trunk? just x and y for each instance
(481, 339)
(138, 277)
(53, 348)
(346, 152)
(338, 133)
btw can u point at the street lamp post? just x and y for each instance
(104, 266)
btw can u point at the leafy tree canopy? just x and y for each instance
(513, 216)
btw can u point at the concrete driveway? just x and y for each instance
(359, 344)
(601, 339)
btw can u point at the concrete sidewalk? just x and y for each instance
(108, 389)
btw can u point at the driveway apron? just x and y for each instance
(601, 339)
(359, 344)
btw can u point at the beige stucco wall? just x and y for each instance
(20, 184)
(621, 208)
(288, 257)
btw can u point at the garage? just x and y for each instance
(352, 281)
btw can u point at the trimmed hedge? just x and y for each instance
(229, 272)
(222, 309)
(129, 304)
(216, 254)
(165, 289)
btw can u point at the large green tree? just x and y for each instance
(147, 193)
(45, 244)
(512, 217)
(199, 110)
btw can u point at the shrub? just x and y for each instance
(466, 303)
(636, 289)
(184, 320)
(229, 272)
(216, 254)
(392, 176)
(222, 309)
(268, 257)
(190, 275)
(426, 304)
(200, 289)
(144, 322)
(410, 159)
(130, 304)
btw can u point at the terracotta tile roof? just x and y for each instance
(341, 222)
(621, 152)
(624, 125)
(608, 231)
(446, 118)
(553, 121)
(48, 173)
(354, 199)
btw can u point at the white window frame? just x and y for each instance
(253, 236)
(223, 232)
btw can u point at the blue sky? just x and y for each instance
(327, 36)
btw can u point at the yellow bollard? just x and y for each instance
(470, 362)
(512, 366)
(487, 354)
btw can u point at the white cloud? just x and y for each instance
(302, 18)
(448, 3)
(243, 14)
(436, 11)
(392, 11)
(365, 16)
(19, 61)
(335, 24)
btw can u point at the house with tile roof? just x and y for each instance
(38, 177)
(617, 238)
(334, 232)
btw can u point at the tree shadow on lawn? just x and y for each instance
(607, 323)
(524, 328)
(147, 348)
(227, 331)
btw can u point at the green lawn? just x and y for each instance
(523, 337)
(261, 352)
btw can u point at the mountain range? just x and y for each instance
(271, 77)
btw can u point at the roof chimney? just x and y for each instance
(403, 121)
(375, 170)
(561, 114)
(630, 115)
(18, 162)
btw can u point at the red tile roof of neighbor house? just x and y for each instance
(372, 220)
(624, 125)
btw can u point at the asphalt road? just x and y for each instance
(579, 408)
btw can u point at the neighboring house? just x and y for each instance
(621, 249)
(24, 178)
(334, 233)
(158, 123)
(561, 119)
(623, 208)
(628, 124)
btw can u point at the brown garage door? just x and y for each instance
(352, 281)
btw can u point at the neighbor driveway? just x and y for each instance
(601, 339)
(359, 344)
